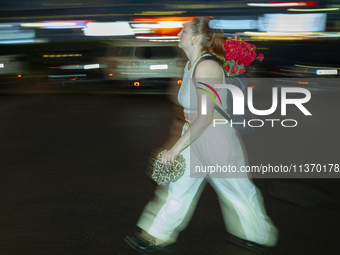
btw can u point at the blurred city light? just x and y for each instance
(23, 41)
(6, 25)
(313, 10)
(108, 29)
(284, 4)
(156, 37)
(151, 40)
(315, 22)
(205, 6)
(326, 35)
(51, 24)
(161, 24)
(233, 24)
(16, 34)
(142, 30)
(170, 26)
(62, 55)
(317, 67)
(155, 13)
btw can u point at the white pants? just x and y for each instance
(242, 206)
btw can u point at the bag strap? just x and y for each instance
(217, 108)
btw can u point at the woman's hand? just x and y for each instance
(169, 156)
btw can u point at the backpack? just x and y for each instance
(241, 121)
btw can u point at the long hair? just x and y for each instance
(209, 38)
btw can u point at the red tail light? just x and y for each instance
(73, 79)
(19, 75)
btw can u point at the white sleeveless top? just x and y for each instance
(187, 96)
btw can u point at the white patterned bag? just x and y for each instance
(162, 174)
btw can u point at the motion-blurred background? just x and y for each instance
(134, 43)
(84, 100)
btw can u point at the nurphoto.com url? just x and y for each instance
(263, 169)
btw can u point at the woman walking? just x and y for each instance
(204, 144)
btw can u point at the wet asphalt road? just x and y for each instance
(73, 175)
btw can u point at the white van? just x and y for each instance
(140, 61)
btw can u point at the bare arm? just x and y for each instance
(209, 73)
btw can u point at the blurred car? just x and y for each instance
(72, 61)
(312, 65)
(13, 66)
(296, 59)
(143, 63)
(75, 71)
(298, 70)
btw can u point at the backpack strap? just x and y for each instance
(217, 108)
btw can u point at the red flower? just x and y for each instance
(238, 54)
(227, 67)
(241, 70)
(260, 56)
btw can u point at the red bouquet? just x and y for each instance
(238, 54)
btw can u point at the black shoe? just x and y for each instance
(145, 247)
(259, 248)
